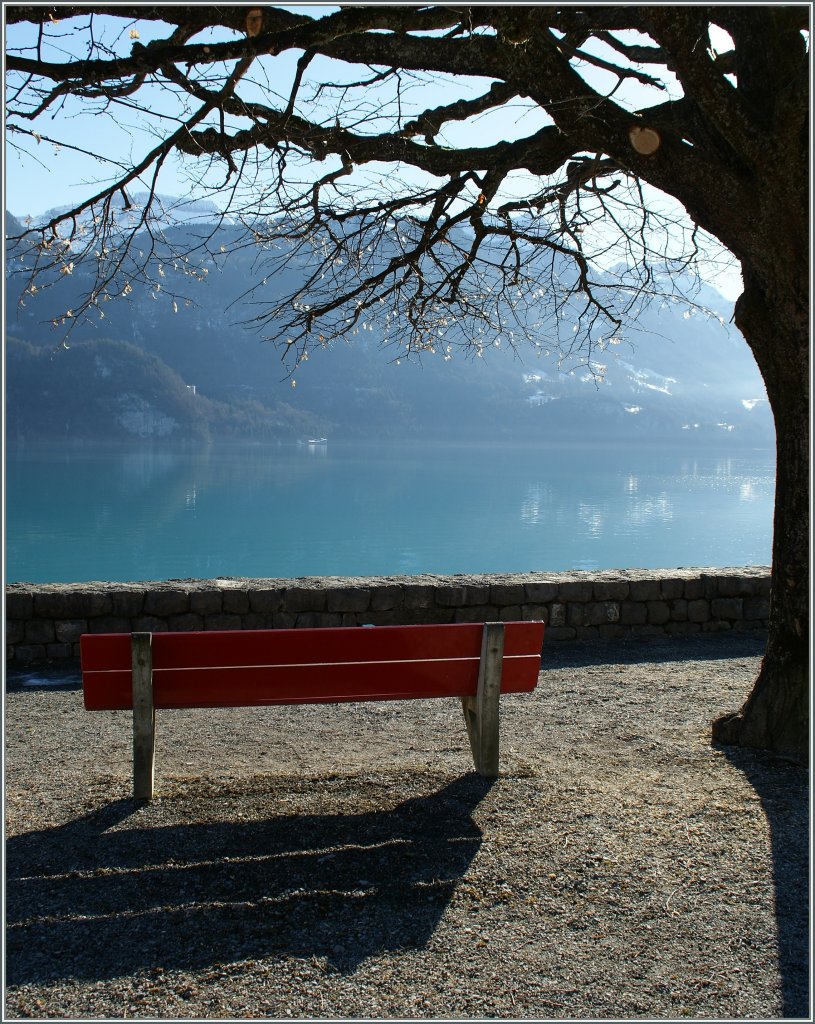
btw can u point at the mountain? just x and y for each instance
(162, 367)
(13, 226)
(114, 390)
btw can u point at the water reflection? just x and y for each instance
(593, 519)
(747, 491)
(533, 505)
(659, 507)
(136, 470)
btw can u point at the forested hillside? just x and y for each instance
(188, 367)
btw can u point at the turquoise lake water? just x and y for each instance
(130, 513)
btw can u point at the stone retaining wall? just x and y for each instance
(44, 621)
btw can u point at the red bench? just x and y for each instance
(247, 668)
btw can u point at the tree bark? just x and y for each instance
(776, 714)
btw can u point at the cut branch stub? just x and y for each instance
(646, 141)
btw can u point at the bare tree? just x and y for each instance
(319, 140)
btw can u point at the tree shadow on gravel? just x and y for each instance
(89, 903)
(46, 677)
(653, 649)
(783, 789)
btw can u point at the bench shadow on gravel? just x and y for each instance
(89, 903)
(783, 789)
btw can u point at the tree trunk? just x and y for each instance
(776, 714)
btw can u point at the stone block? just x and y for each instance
(307, 620)
(15, 631)
(535, 613)
(698, 610)
(311, 599)
(206, 602)
(633, 613)
(710, 584)
(733, 586)
(19, 604)
(187, 622)
(644, 590)
(716, 626)
(507, 594)
(670, 589)
(127, 603)
(73, 604)
(106, 624)
(727, 608)
(756, 608)
(419, 595)
(91, 603)
(541, 592)
(283, 620)
(679, 610)
(59, 604)
(350, 619)
(257, 620)
(647, 630)
(387, 617)
(59, 652)
(329, 619)
(441, 615)
(235, 602)
(601, 612)
(145, 624)
(587, 633)
(510, 613)
(166, 602)
(749, 625)
(659, 612)
(266, 601)
(411, 616)
(682, 628)
(482, 613)
(452, 597)
(693, 589)
(560, 633)
(611, 590)
(575, 590)
(29, 654)
(575, 614)
(557, 615)
(222, 621)
(39, 631)
(386, 597)
(346, 600)
(610, 631)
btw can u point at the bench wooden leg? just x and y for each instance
(144, 716)
(481, 711)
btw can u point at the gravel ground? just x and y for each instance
(345, 862)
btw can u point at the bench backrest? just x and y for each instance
(244, 668)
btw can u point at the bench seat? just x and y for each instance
(475, 662)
